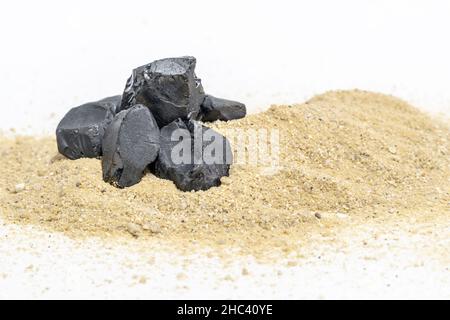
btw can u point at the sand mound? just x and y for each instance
(342, 154)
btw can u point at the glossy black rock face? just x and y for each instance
(213, 109)
(168, 87)
(194, 157)
(80, 132)
(130, 144)
(113, 103)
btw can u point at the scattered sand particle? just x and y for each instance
(19, 187)
(292, 264)
(228, 278)
(392, 150)
(133, 229)
(143, 280)
(182, 277)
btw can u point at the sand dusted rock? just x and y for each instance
(168, 87)
(193, 156)
(213, 109)
(80, 132)
(130, 144)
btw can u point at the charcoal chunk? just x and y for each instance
(130, 144)
(168, 87)
(193, 156)
(213, 109)
(80, 132)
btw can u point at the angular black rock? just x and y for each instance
(113, 103)
(80, 132)
(213, 109)
(168, 87)
(202, 168)
(130, 144)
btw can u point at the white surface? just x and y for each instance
(370, 261)
(56, 55)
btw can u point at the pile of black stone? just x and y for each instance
(154, 126)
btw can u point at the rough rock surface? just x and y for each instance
(168, 87)
(187, 158)
(213, 109)
(130, 144)
(80, 132)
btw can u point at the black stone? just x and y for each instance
(168, 87)
(196, 143)
(213, 109)
(80, 132)
(130, 144)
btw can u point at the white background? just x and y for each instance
(58, 54)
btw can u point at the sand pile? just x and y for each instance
(342, 154)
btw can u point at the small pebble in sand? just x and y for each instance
(153, 227)
(181, 276)
(392, 149)
(80, 132)
(143, 280)
(41, 173)
(228, 278)
(292, 264)
(255, 212)
(19, 187)
(124, 163)
(29, 268)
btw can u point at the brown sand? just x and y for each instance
(342, 154)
